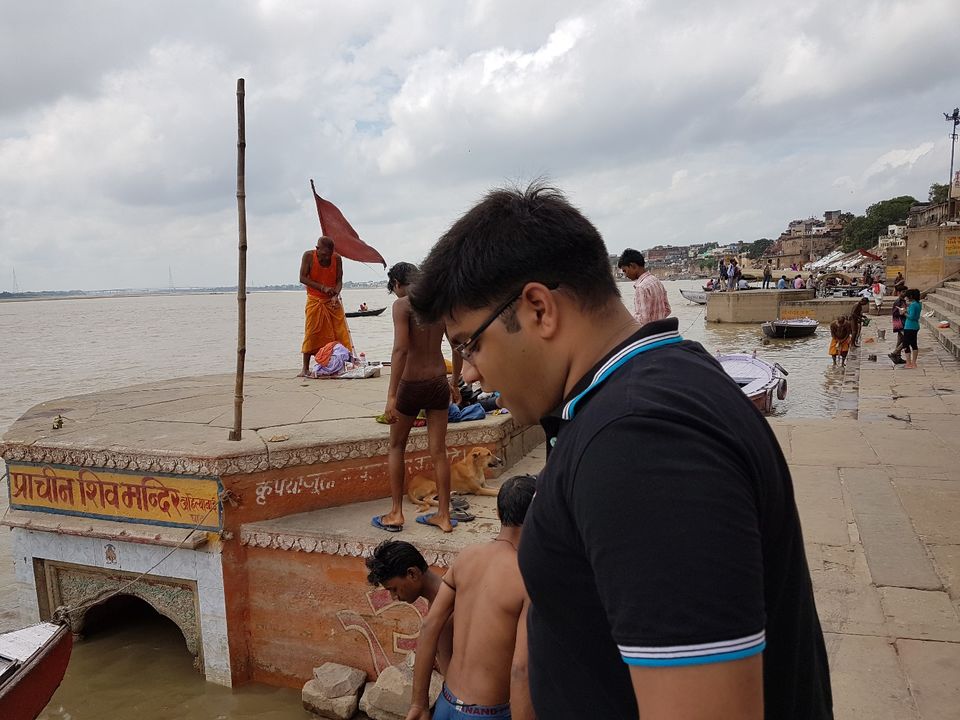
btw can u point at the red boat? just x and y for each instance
(32, 663)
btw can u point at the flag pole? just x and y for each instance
(242, 278)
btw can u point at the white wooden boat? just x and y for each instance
(696, 296)
(799, 327)
(759, 380)
(32, 663)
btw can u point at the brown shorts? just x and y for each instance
(416, 395)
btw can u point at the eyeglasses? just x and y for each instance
(466, 348)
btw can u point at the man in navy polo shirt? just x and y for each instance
(662, 553)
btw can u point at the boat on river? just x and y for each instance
(759, 380)
(795, 328)
(365, 313)
(32, 663)
(695, 296)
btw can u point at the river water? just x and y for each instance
(137, 665)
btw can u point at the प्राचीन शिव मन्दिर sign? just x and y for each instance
(167, 500)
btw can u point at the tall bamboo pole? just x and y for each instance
(242, 278)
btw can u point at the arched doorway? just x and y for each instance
(97, 598)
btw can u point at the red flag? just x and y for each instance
(345, 239)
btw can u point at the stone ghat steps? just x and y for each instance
(945, 307)
(949, 293)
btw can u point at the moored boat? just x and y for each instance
(798, 327)
(365, 313)
(696, 296)
(759, 380)
(32, 663)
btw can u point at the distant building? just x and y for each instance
(806, 240)
(896, 237)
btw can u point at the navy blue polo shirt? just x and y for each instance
(664, 532)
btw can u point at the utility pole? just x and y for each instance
(955, 119)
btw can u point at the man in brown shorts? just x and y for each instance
(418, 381)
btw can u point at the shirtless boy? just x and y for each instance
(400, 569)
(484, 592)
(841, 334)
(418, 381)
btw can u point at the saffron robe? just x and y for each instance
(324, 318)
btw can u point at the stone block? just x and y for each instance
(933, 670)
(335, 680)
(390, 695)
(334, 708)
(372, 712)
(867, 679)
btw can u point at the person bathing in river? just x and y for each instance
(418, 381)
(840, 336)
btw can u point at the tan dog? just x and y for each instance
(466, 477)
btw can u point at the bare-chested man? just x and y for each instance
(321, 271)
(483, 590)
(418, 381)
(402, 571)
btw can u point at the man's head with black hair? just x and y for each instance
(399, 567)
(514, 498)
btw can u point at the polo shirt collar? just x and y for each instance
(650, 336)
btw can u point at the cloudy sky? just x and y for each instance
(666, 121)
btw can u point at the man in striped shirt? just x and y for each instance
(649, 295)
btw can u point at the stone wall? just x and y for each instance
(750, 306)
(309, 608)
(187, 587)
(931, 254)
(826, 310)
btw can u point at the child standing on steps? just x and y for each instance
(911, 326)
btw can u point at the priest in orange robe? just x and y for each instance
(321, 271)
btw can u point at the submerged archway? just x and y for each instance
(91, 593)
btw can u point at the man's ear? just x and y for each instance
(542, 305)
(414, 573)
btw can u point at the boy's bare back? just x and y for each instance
(489, 600)
(423, 343)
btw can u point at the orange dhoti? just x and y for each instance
(324, 322)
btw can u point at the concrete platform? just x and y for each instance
(180, 426)
(757, 306)
(143, 480)
(879, 497)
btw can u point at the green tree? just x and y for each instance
(758, 248)
(864, 230)
(938, 193)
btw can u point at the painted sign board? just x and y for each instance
(892, 271)
(167, 500)
(952, 246)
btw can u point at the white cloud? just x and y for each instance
(666, 121)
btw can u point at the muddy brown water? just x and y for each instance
(134, 663)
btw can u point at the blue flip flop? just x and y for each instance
(377, 522)
(425, 520)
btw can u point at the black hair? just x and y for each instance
(514, 499)
(630, 256)
(402, 273)
(392, 558)
(914, 294)
(508, 239)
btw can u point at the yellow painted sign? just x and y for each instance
(952, 246)
(170, 500)
(794, 313)
(892, 271)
